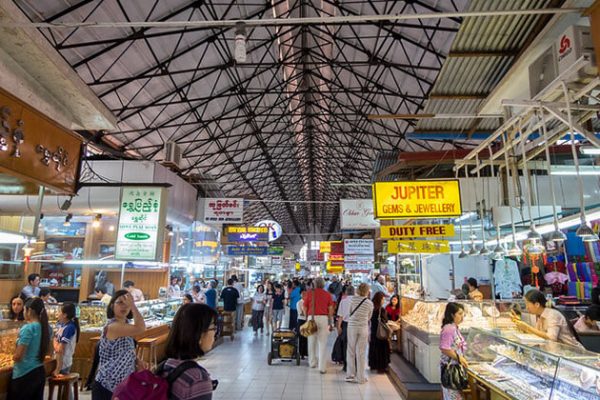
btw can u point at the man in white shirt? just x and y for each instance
(239, 315)
(342, 320)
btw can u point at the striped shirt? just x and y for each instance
(362, 314)
(192, 384)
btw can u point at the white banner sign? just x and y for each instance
(224, 211)
(357, 214)
(359, 258)
(141, 223)
(359, 267)
(359, 246)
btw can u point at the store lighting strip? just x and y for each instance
(570, 170)
(591, 151)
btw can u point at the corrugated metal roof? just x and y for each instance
(477, 75)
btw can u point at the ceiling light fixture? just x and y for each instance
(515, 250)
(97, 221)
(462, 254)
(590, 151)
(584, 231)
(239, 50)
(556, 235)
(533, 234)
(68, 220)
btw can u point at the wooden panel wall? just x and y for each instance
(148, 281)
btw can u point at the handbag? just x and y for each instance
(383, 330)
(309, 328)
(454, 375)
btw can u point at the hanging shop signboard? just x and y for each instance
(247, 251)
(276, 251)
(247, 234)
(357, 214)
(416, 231)
(275, 230)
(325, 247)
(225, 211)
(419, 246)
(418, 199)
(141, 223)
(36, 149)
(359, 246)
(355, 268)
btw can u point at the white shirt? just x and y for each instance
(240, 288)
(344, 308)
(555, 325)
(300, 307)
(136, 294)
(174, 292)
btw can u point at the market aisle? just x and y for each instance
(243, 373)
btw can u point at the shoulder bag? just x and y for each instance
(383, 330)
(454, 375)
(310, 327)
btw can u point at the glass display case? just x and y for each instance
(409, 277)
(9, 331)
(427, 315)
(520, 368)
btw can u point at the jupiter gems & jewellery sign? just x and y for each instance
(141, 223)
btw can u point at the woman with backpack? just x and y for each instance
(116, 349)
(28, 376)
(191, 336)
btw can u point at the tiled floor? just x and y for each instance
(243, 373)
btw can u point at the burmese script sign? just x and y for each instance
(357, 214)
(417, 199)
(419, 246)
(416, 231)
(226, 211)
(141, 223)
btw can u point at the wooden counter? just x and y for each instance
(5, 376)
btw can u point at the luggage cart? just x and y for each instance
(284, 346)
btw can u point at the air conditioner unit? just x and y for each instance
(572, 45)
(542, 71)
(172, 154)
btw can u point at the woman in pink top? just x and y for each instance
(589, 322)
(452, 344)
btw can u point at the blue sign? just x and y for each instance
(247, 237)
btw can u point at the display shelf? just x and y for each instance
(548, 370)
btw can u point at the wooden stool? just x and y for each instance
(150, 345)
(64, 383)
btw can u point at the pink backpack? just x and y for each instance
(142, 385)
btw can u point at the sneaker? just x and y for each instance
(323, 372)
(363, 381)
(350, 379)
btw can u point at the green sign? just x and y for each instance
(141, 223)
(275, 251)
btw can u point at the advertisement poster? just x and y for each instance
(141, 223)
(416, 231)
(419, 246)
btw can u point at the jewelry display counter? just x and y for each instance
(519, 367)
(422, 324)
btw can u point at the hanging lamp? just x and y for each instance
(515, 250)
(463, 253)
(484, 250)
(584, 231)
(533, 234)
(557, 235)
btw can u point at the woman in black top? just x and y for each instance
(379, 350)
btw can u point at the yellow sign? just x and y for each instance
(418, 199)
(416, 231)
(298, 266)
(325, 247)
(247, 229)
(333, 268)
(419, 246)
